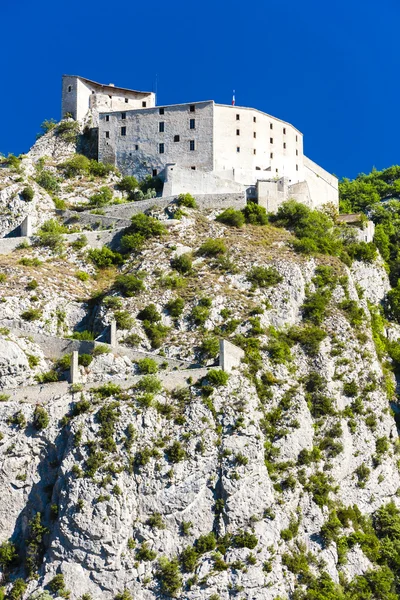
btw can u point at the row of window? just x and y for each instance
(192, 146)
(161, 126)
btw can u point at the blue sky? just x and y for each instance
(329, 68)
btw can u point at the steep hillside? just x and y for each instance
(159, 475)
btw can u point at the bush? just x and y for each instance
(149, 313)
(112, 302)
(8, 554)
(50, 234)
(144, 553)
(31, 314)
(48, 181)
(18, 589)
(129, 285)
(264, 276)
(232, 217)
(364, 251)
(210, 347)
(175, 453)
(149, 384)
(85, 359)
(186, 200)
(48, 377)
(212, 247)
(125, 595)
(104, 257)
(255, 214)
(188, 559)
(32, 284)
(123, 319)
(155, 521)
(353, 312)
(68, 131)
(57, 584)
(87, 336)
(106, 390)
(82, 275)
(40, 418)
(77, 165)
(175, 307)
(102, 197)
(309, 337)
(245, 539)
(169, 576)
(28, 193)
(147, 366)
(80, 242)
(206, 543)
(217, 378)
(146, 226)
(350, 388)
(182, 263)
(129, 184)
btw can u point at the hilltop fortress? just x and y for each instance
(199, 147)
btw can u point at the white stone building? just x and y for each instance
(200, 147)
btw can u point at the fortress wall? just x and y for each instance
(179, 181)
(137, 153)
(324, 187)
(245, 163)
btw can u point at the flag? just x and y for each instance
(233, 98)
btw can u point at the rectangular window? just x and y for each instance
(192, 124)
(297, 167)
(284, 145)
(297, 152)
(271, 126)
(237, 131)
(154, 172)
(176, 138)
(238, 149)
(271, 140)
(107, 134)
(126, 100)
(271, 155)
(254, 134)
(193, 168)
(161, 111)
(107, 118)
(296, 138)
(284, 131)
(192, 108)
(123, 115)
(70, 88)
(254, 151)
(161, 148)
(144, 104)
(254, 119)
(237, 117)
(136, 147)
(161, 126)
(258, 169)
(191, 145)
(123, 130)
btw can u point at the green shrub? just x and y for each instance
(149, 313)
(146, 226)
(212, 247)
(28, 193)
(31, 314)
(175, 452)
(8, 554)
(144, 553)
(104, 257)
(80, 242)
(206, 543)
(309, 337)
(188, 559)
(50, 234)
(85, 359)
(186, 200)
(175, 307)
(155, 521)
(149, 384)
(350, 388)
(129, 285)
(77, 165)
(48, 377)
(363, 473)
(210, 347)
(102, 197)
(245, 539)
(182, 263)
(106, 390)
(255, 214)
(217, 377)
(169, 576)
(32, 284)
(232, 217)
(82, 275)
(125, 595)
(353, 312)
(40, 418)
(123, 319)
(364, 251)
(18, 589)
(129, 184)
(87, 336)
(112, 302)
(147, 366)
(200, 314)
(264, 276)
(68, 131)
(48, 181)
(57, 584)
(130, 242)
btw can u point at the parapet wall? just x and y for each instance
(324, 187)
(177, 181)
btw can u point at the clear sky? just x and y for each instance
(329, 68)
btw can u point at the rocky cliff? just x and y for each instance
(269, 482)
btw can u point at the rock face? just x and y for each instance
(209, 490)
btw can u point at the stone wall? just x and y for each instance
(324, 187)
(177, 181)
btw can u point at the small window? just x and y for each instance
(284, 145)
(155, 172)
(271, 140)
(192, 124)
(254, 134)
(297, 152)
(297, 167)
(237, 117)
(192, 108)
(258, 169)
(296, 138)
(70, 88)
(161, 148)
(161, 126)
(193, 168)
(191, 145)
(126, 100)
(144, 104)
(176, 138)
(161, 111)
(276, 170)
(123, 130)
(107, 117)
(136, 147)
(237, 131)
(284, 131)
(107, 134)
(238, 149)
(271, 155)
(108, 96)
(271, 126)
(254, 151)
(123, 115)
(254, 119)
